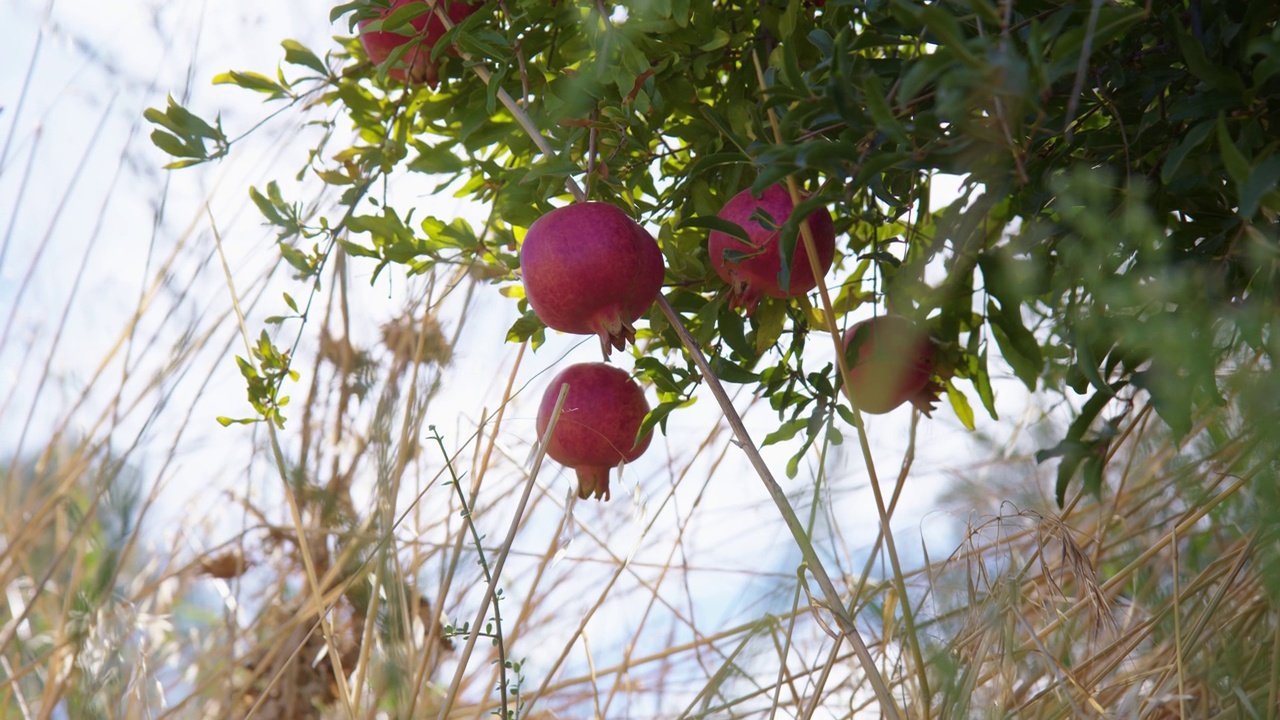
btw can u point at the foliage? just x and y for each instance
(1116, 226)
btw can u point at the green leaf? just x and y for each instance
(960, 403)
(265, 206)
(252, 81)
(793, 465)
(1072, 449)
(295, 53)
(768, 319)
(434, 159)
(1017, 344)
(1199, 64)
(341, 9)
(192, 125)
(1171, 395)
(1086, 362)
(719, 38)
(946, 28)
(1192, 140)
(733, 330)
(878, 107)
(525, 327)
(1262, 180)
(658, 415)
(785, 431)
(732, 372)
(704, 163)
(982, 383)
(173, 146)
(710, 222)
(1235, 162)
(399, 19)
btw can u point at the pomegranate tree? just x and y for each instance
(756, 273)
(894, 364)
(588, 268)
(598, 424)
(415, 65)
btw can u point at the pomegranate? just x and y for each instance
(895, 363)
(598, 423)
(428, 31)
(757, 274)
(590, 269)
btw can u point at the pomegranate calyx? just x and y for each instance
(742, 296)
(926, 397)
(593, 482)
(615, 333)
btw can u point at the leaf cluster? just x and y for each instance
(1116, 232)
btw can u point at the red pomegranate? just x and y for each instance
(894, 365)
(428, 31)
(757, 274)
(598, 423)
(590, 269)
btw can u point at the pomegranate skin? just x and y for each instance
(757, 275)
(428, 31)
(589, 269)
(895, 364)
(598, 423)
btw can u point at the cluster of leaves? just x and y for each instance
(1117, 227)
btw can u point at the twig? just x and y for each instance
(1082, 68)
(491, 588)
(806, 236)
(304, 545)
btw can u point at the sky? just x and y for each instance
(85, 234)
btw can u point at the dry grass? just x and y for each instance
(386, 555)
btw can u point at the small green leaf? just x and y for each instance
(785, 431)
(960, 403)
(172, 145)
(732, 372)
(714, 223)
(525, 327)
(982, 383)
(1262, 180)
(295, 53)
(1234, 161)
(1192, 140)
(878, 107)
(251, 81)
(657, 417)
(719, 38)
(399, 19)
(769, 318)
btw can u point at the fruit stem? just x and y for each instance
(806, 236)
(833, 601)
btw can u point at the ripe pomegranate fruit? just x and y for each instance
(598, 423)
(895, 363)
(415, 66)
(590, 269)
(757, 274)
